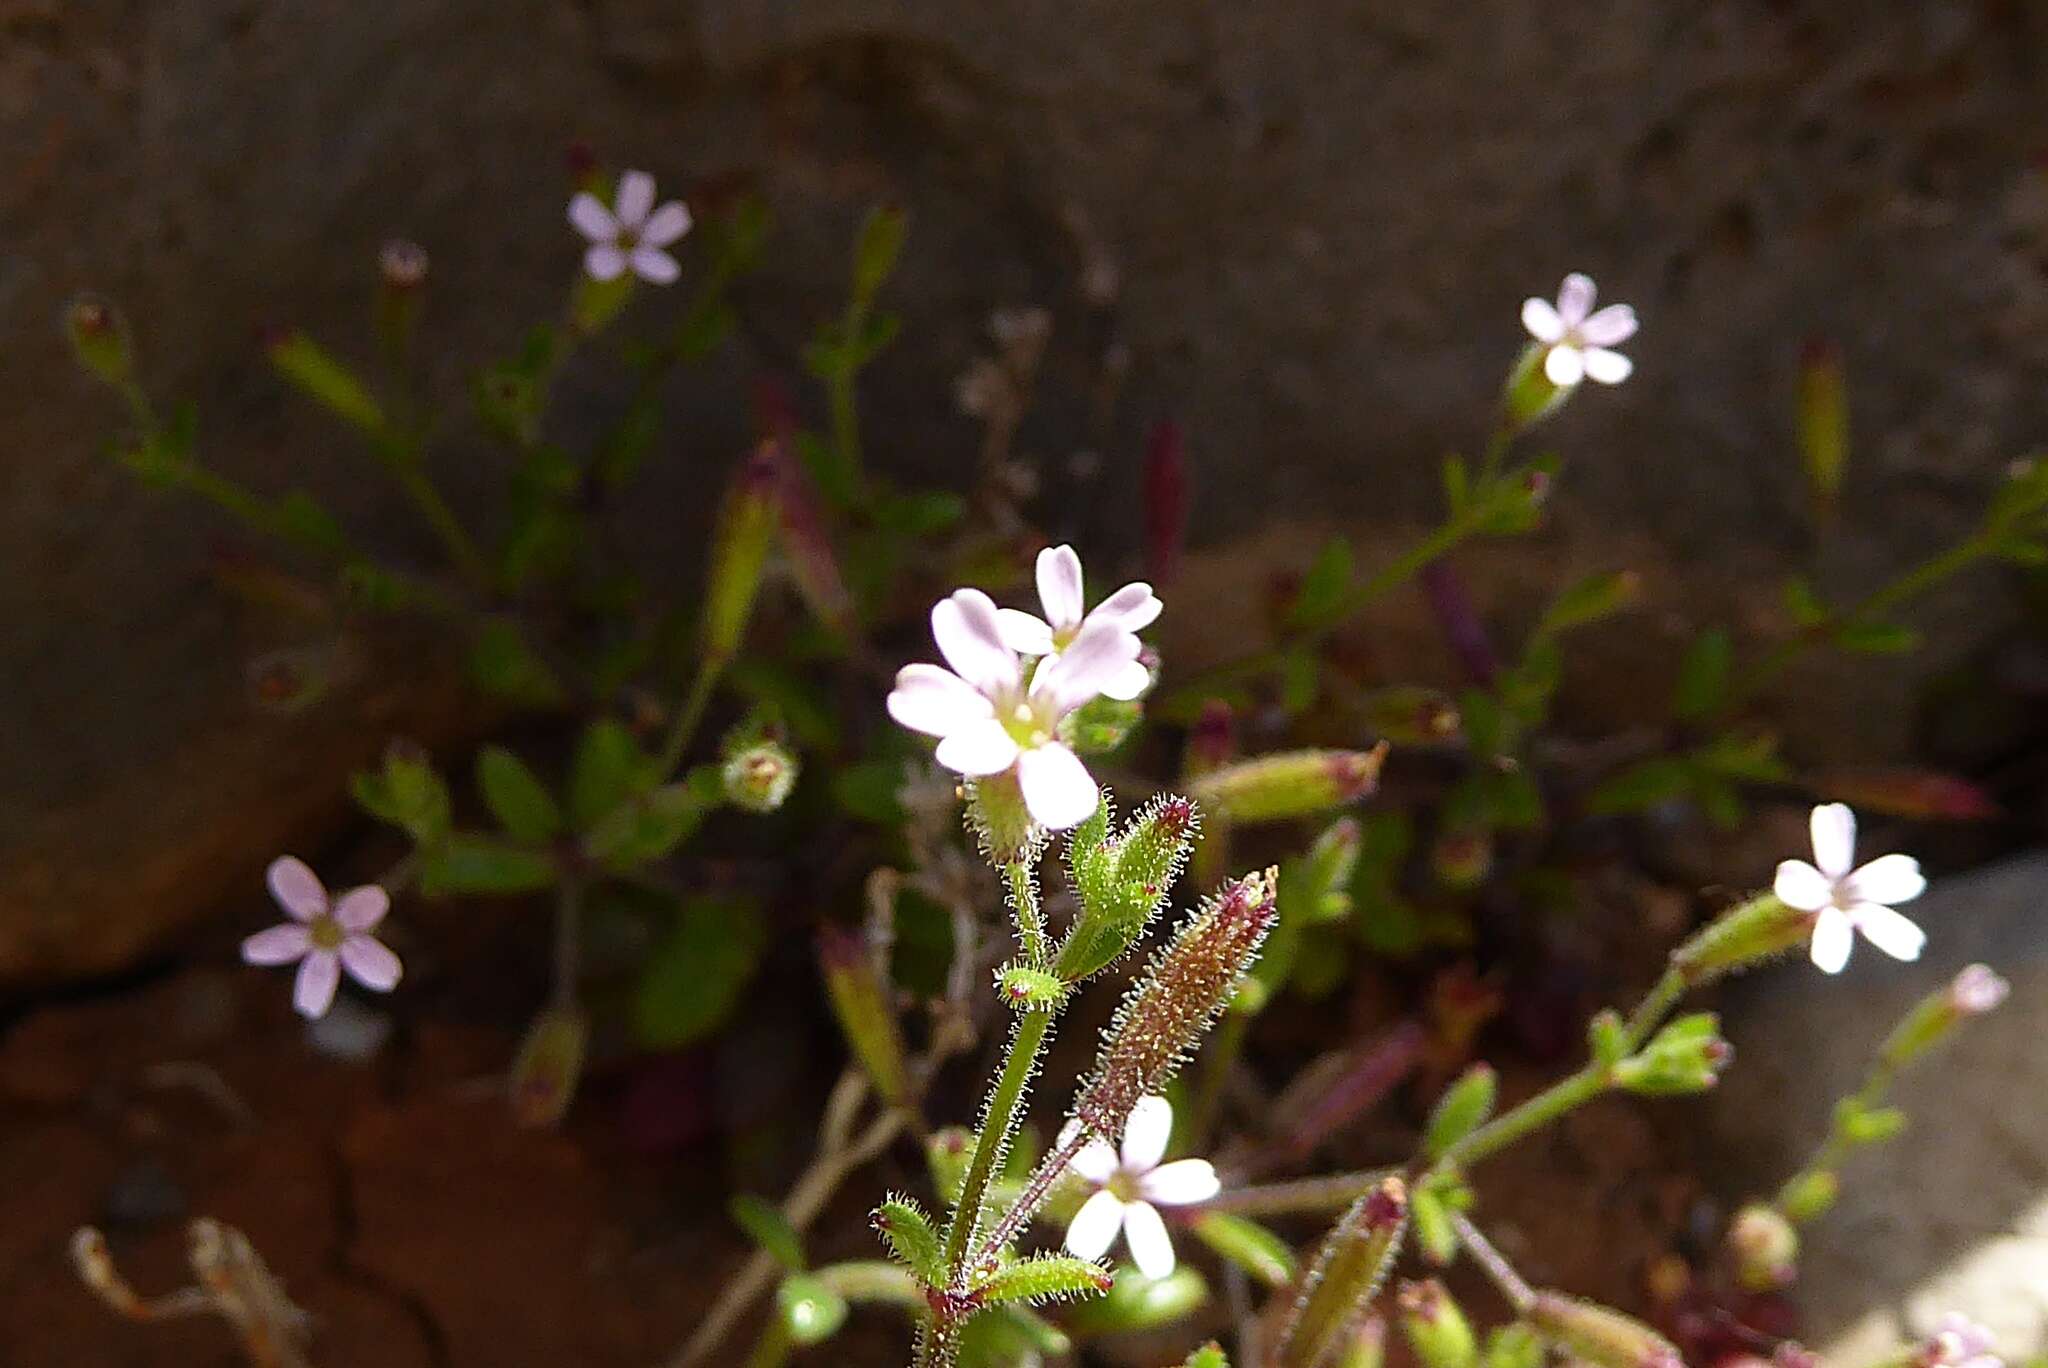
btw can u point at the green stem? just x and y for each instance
(1828, 1155)
(1653, 1009)
(689, 714)
(568, 941)
(462, 548)
(771, 1350)
(997, 1121)
(1331, 1192)
(1567, 1094)
(1030, 917)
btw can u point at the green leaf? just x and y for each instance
(1323, 587)
(767, 1227)
(1011, 1337)
(1137, 1302)
(325, 380)
(1591, 599)
(648, 827)
(1643, 785)
(501, 662)
(1803, 604)
(1703, 674)
(1457, 484)
(406, 793)
(876, 251)
(609, 768)
(810, 1311)
(1464, 1107)
(696, 976)
(908, 1232)
(1249, 1245)
(1209, 1355)
(483, 864)
(516, 796)
(304, 521)
(1434, 1233)
(1876, 638)
(1040, 1278)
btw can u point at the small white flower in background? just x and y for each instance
(986, 718)
(1130, 609)
(1959, 1342)
(1580, 341)
(324, 936)
(1851, 899)
(1131, 1187)
(1977, 989)
(632, 233)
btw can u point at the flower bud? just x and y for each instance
(1600, 1336)
(1685, 1057)
(860, 1000)
(996, 812)
(1291, 784)
(1412, 715)
(1123, 882)
(1366, 1346)
(1809, 1194)
(1973, 992)
(1348, 1271)
(739, 548)
(548, 1067)
(1461, 858)
(1167, 1010)
(1823, 422)
(1745, 934)
(1435, 1326)
(99, 338)
(1764, 1247)
(758, 777)
(401, 281)
(1530, 395)
(320, 376)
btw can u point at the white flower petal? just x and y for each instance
(1093, 1229)
(1834, 839)
(1096, 1162)
(655, 266)
(1024, 633)
(360, 909)
(298, 889)
(1133, 608)
(1181, 1183)
(1059, 585)
(672, 220)
(1058, 789)
(1802, 886)
(1832, 938)
(936, 702)
(1077, 674)
(1610, 327)
(1564, 365)
(1151, 1247)
(1888, 879)
(1146, 1132)
(979, 748)
(970, 637)
(1892, 932)
(589, 217)
(604, 261)
(1541, 319)
(313, 990)
(635, 198)
(371, 963)
(1128, 683)
(1575, 298)
(1608, 367)
(280, 944)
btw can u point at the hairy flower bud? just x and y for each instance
(1745, 934)
(1973, 992)
(1435, 1326)
(999, 818)
(1349, 1268)
(739, 548)
(1291, 784)
(1599, 1335)
(1122, 881)
(1764, 1247)
(758, 777)
(1175, 1000)
(550, 1063)
(860, 1000)
(1685, 1057)
(99, 338)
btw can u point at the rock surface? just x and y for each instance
(1320, 220)
(1953, 1215)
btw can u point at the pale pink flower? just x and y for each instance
(1131, 609)
(1848, 898)
(1959, 1342)
(632, 233)
(324, 937)
(1580, 341)
(1977, 989)
(1132, 1186)
(989, 719)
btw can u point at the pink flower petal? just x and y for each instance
(1146, 1133)
(1608, 367)
(1802, 886)
(279, 944)
(1181, 1183)
(1096, 1162)
(1133, 608)
(1610, 327)
(319, 975)
(360, 909)
(371, 963)
(1093, 1229)
(970, 637)
(1095, 658)
(1564, 365)
(936, 702)
(635, 199)
(1151, 1247)
(1575, 299)
(979, 748)
(298, 890)
(1541, 319)
(604, 262)
(1024, 633)
(667, 224)
(1892, 932)
(655, 266)
(1059, 585)
(1057, 787)
(1833, 828)
(590, 218)
(1128, 683)
(1888, 879)
(1832, 938)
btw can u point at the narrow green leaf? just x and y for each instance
(1703, 674)
(516, 796)
(767, 1227)
(483, 864)
(608, 769)
(1249, 1245)
(1464, 1107)
(908, 1232)
(697, 975)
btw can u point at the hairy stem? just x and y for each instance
(1030, 917)
(1036, 1189)
(1511, 1284)
(997, 1121)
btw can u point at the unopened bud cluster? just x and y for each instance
(1122, 880)
(1338, 1292)
(1292, 784)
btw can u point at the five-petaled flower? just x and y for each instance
(1131, 1187)
(632, 233)
(1959, 1342)
(324, 936)
(989, 719)
(1849, 899)
(1130, 609)
(1580, 341)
